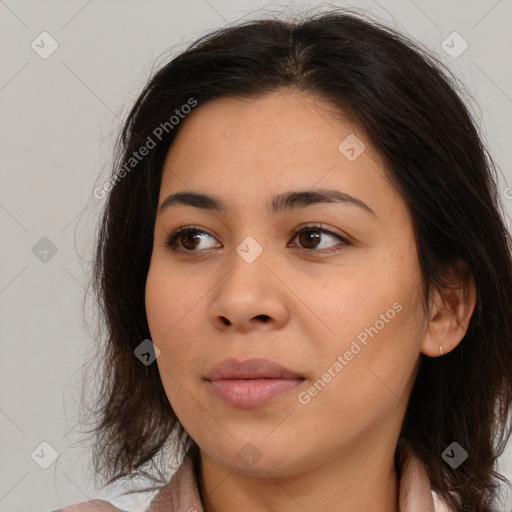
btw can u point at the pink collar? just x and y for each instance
(181, 493)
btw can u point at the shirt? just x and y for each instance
(181, 493)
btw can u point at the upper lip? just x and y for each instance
(254, 368)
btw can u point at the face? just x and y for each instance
(330, 290)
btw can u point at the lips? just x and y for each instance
(252, 382)
(255, 368)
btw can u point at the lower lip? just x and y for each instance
(252, 392)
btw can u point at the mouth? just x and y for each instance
(252, 382)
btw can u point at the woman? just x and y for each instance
(306, 280)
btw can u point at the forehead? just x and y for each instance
(273, 125)
(280, 141)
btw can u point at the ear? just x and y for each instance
(450, 315)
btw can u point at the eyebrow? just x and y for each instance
(281, 203)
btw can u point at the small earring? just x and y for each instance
(441, 350)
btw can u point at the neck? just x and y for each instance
(360, 478)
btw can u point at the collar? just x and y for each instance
(181, 493)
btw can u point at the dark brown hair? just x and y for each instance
(408, 105)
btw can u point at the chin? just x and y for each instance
(259, 457)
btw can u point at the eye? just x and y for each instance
(188, 239)
(312, 237)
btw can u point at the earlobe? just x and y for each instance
(449, 319)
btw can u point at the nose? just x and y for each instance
(249, 298)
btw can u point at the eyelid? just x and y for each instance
(344, 239)
(320, 226)
(172, 238)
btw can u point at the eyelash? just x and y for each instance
(173, 238)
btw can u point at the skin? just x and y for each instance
(335, 452)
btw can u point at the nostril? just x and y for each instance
(264, 318)
(225, 321)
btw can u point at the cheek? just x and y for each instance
(376, 319)
(176, 309)
(372, 382)
(170, 298)
(166, 312)
(167, 305)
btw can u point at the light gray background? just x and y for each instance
(59, 117)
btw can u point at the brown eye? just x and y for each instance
(315, 238)
(187, 239)
(310, 238)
